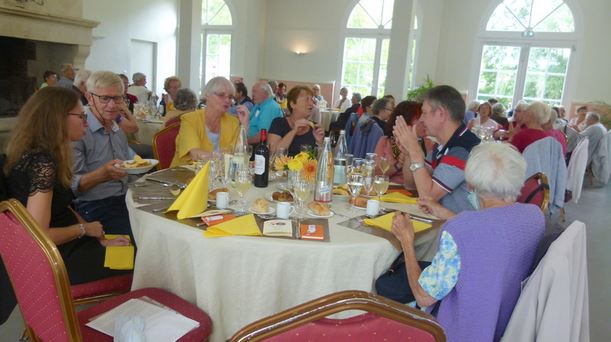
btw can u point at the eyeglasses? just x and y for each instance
(224, 96)
(82, 116)
(104, 99)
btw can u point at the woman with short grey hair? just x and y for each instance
(185, 102)
(381, 109)
(537, 114)
(483, 255)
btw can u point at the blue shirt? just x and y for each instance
(262, 115)
(95, 149)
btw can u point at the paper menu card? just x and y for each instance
(161, 323)
(312, 232)
(278, 228)
(194, 199)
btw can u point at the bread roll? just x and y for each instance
(319, 209)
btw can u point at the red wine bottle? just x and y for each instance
(262, 162)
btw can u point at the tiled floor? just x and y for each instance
(594, 209)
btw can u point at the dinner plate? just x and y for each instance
(270, 210)
(357, 207)
(138, 170)
(313, 214)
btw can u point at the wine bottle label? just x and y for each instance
(259, 164)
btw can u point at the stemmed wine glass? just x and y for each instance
(302, 190)
(380, 185)
(355, 182)
(383, 164)
(241, 184)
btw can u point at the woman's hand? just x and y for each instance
(94, 229)
(319, 134)
(243, 115)
(301, 124)
(434, 208)
(403, 229)
(118, 241)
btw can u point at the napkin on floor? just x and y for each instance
(243, 225)
(194, 199)
(119, 257)
(385, 222)
(397, 197)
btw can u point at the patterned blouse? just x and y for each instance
(440, 277)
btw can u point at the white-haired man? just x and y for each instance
(67, 75)
(138, 88)
(265, 110)
(99, 186)
(439, 175)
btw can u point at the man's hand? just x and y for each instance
(112, 172)
(403, 229)
(407, 138)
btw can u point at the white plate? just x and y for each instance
(270, 210)
(357, 207)
(270, 198)
(311, 213)
(138, 170)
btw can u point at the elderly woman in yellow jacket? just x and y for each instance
(212, 128)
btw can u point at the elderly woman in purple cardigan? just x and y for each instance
(473, 282)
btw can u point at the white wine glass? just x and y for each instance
(302, 190)
(242, 183)
(355, 183)
(380, 185)
(383, 164)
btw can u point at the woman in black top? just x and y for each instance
(295, 130)
(39, 169)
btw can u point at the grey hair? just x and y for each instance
(138, 76)
(498, 109)
(496, 170)
(379, 105)
(185, 99)
(540, 112)
(521, 105)
(358, 96)
(217, 83)
(473, 106)
(594, 116)
(265, 87)
(104, 79)
(81, 77)
(272, 84)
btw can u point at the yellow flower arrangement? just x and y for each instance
(295, 164)
(309, 170)
(303, 161)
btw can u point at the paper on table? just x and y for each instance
(397, 197)
(119, 257)
(385, 222)
(243, 225)
(194, 199)
(161, 324)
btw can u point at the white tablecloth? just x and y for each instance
(147, 129)
(327, 117)
(237, 280)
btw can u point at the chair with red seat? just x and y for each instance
(41, 285)
(535, 191)
(384, 320)
(164, 145)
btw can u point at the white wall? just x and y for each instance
(122, 21)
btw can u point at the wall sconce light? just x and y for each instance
(300, 53)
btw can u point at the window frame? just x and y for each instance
(205, 30)
(541, 39)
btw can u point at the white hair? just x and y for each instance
(473, 106)
(104, 79)
(593, 115)
(540, 112)
(496, 170)
(216, 84)
(81, 77)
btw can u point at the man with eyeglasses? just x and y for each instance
(265, 110)
(98, 185)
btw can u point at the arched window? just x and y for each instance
(366, 46)
(526, 49)
(216, 39)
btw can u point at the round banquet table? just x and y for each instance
(238, 279)
(327, 116)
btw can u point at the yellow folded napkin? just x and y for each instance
(119, 257)
(194, 199)
(243, 225)
(397, 197)
(385, 222)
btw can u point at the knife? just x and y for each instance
(167, 183)
(155, 197)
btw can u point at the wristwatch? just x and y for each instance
(415, 166)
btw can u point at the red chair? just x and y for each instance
(385, 320)
(41, 285)
(535, 191)
(164, 145)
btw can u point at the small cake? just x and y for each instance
(319, 209)
(260, 206)
(282, 196)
